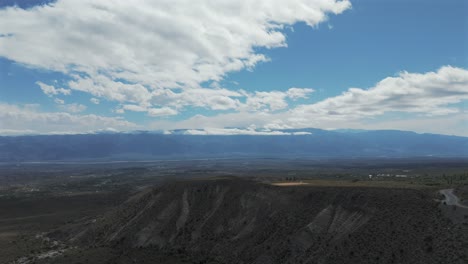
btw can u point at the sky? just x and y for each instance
(234, 66)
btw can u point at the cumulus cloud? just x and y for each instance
(274, 100)
(50, 90)
(426, 98)
(136, 51)
(154, 57)
(215, 99)
(298, 93)
(95, 101)
(269, 100)
(23, 118)
(102, 86)
(431, 94)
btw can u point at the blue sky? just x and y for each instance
(74, 67)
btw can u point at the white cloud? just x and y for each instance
(21, 118)
(102, 86)
(50, 90)
(154, 56)
(59, 101)
(32, 107)
(301, 133)
(238, 119)
(165, 111)
(119, 111)
(266, 100)
(215, 99)
(425, 99)
(238, 131)
(274, 100)
(73, 108)
(134, 108)
(95, 101)
(154, 112)
(431, 94)
(135, 51)
(298, 93)
(106, 130)
(14, 132)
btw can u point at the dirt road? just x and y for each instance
(451, 198)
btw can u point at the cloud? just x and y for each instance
(430, 94)
(237, 119)
(155, 57)
(102, 86)
(50, 90)
(214, 99)
(298, 93)
(270, 100)
(59, 101)
(439, 96)
(23, 118)
(274, 100)
(73, 108)
(95, 101)
(134, 108)
(154, 112)
(14, 132)
(238, 131)
(136, 51)
(165, 111)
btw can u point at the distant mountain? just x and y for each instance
(184, 144)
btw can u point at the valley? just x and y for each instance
(234, 211)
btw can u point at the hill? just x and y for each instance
(239, 221)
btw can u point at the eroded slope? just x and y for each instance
(239, 221)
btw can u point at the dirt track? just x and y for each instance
(451, 198)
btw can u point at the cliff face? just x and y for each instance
(238, 221)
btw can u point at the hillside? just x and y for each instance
(239, 221)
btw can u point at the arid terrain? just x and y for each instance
(234, 211)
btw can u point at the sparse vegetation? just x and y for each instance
(76, 214)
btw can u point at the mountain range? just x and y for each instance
(287, 143)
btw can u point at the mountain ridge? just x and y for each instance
(291, 143)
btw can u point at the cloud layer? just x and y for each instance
(143, 51)
(430, 98)
(161, 58)
(430, 94)
(439, 96)
(29, 119)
